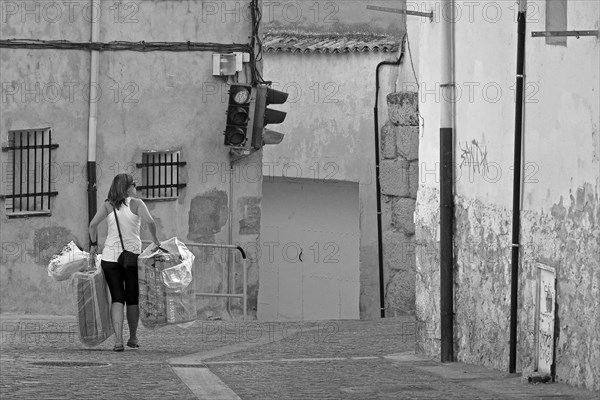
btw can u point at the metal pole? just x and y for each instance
(93, 114)
(446, 186)
(245, 279)
(514, 272)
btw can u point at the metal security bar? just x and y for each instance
(402, 11)
(29, 175)
(244, 294)
(160, 174)
(577, 34)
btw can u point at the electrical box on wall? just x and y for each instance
(546, 299)
(229, 64)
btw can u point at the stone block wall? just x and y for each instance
(399, 173)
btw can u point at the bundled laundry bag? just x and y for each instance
(92, 305)
(167, 293)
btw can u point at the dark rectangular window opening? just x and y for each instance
(160, 175)
(556, 20)
(28, 173)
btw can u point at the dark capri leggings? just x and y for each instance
(122, 283)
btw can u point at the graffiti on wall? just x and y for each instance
(474, 157)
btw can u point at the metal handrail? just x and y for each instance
(244, 294)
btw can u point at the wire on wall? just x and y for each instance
(416, 81)
(123, 45)
(256, 44)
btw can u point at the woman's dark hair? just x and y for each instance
(118, 190)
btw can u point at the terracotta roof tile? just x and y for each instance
(287, 41)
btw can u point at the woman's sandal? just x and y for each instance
(118, 347)
(133, 344)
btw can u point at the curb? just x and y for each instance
(195, 374)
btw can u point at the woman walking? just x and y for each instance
(124, 214)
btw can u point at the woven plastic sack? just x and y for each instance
(92, 305)
(69, 260)
(167, 292)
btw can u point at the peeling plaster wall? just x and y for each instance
(149, 101)
(566, 238)
(561, 185)
(481, 279)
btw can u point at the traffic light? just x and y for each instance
(264, 115)
(240, 114)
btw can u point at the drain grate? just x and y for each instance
(70, 364)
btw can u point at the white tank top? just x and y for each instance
(130, 230)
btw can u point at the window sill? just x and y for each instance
(147, 199)
(28, 214)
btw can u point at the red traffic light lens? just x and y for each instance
(239, 94)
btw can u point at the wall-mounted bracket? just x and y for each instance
(402, 11)
(577, 34)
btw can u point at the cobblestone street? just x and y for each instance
(42, 358)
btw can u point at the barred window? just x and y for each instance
(160, 175)
(28, 180)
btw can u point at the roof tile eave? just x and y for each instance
(328, 43)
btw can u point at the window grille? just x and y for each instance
(29, 183)
(160, 175)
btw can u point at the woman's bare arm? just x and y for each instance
(144, 214)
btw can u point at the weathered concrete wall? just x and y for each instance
(148, 101)
(567, 238)
(399, 172)
(329, 135)
(28, 244)
(560, 181)
(481, 280)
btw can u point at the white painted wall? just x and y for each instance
(329, 135)
(562, 139)
(561, 184)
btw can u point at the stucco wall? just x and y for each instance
(561, 179)
(149, 101)
(329, 135)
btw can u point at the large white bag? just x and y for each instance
(69, 260)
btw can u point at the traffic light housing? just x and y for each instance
(240, 115)
(264, 116)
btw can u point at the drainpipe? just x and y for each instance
(377, 184)
(93, 117)
(514, 273)
(446, 183)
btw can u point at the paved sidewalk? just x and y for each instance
(41, 357)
